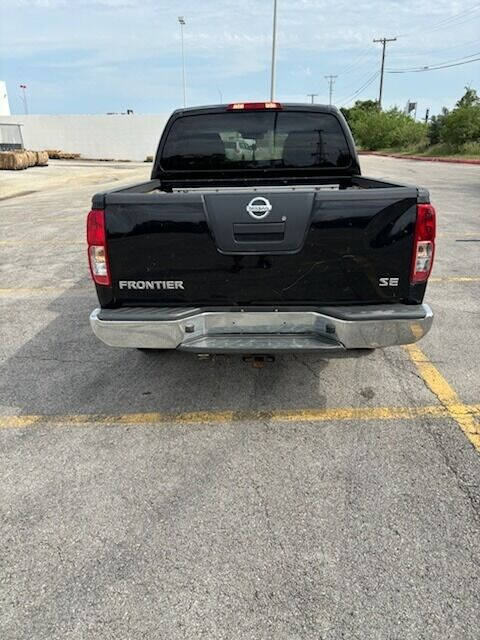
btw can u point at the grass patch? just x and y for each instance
(468, 151)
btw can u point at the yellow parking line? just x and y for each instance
(359, 414)
(454, 279)
(463, 414)
(39, 242)
(458, 234)
(39, 221)
(19, 291)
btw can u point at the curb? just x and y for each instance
(421, 158)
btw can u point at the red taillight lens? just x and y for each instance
(424, 243)
(249, 106)
(97, 248)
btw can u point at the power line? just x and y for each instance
(432, 68)
(455, 21)
(357, 62)
(444, 22)
(424, 67)
(362, 88)
(365, 77)
(384, 43)
(400, 54)
(371, 79)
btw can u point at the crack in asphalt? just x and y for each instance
(461, 484)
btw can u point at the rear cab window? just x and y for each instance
(252, 140)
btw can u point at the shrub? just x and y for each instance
(435, 125)
(392, 129)
(374, 129)
(461, 125)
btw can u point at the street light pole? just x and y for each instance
(181, 21)
(23, 87)
(274, 38)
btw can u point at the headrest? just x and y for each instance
(302, 149)
(203, 144)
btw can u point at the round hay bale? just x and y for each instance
(66, 155)
(22, 160)
(42, 158)
(31, 158)
(4, 160)
(13, 161)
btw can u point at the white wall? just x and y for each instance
(4, 106)
(117, 137)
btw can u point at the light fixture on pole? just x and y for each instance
(274, 38)
(182, 23)
(23, 87)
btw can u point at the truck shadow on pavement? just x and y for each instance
(65, 369)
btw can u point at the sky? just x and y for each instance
(99, 56)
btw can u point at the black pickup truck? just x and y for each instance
(258, 234)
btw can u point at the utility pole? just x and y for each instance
(23, 87)
(331, 82)
(312, 96)
(274, 38)
(384, 42)
(181, 21)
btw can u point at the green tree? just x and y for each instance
(469, 99)
(435, 125)
(374, 129)
(461, 125)
(359, 108)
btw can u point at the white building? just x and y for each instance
(4, 106)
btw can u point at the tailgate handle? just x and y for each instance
(260, 227)
(259, 232)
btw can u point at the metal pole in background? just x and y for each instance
(331, 81)
(23, 87)
(312, 96)
(181, 20)
(274, 38)
(384, 42)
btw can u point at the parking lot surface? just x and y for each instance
(160, 496)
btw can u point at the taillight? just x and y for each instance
(249, 106)
(97, 247)
(424, 243)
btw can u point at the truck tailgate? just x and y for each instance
(312, 247)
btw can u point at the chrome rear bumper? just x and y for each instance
(260, 331)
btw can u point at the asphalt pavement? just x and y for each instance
(160, 496)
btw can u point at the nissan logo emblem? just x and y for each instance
(258, 208)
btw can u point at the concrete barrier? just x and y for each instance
(115, 137)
